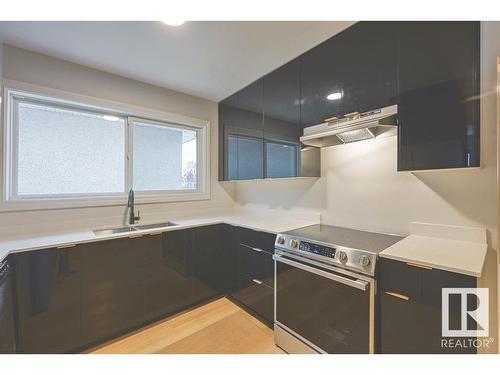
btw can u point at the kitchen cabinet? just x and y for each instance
(8, 339)
(241, 127)
(211, 264)
(359, 64)
(255, 289)
(49, 300)
(438, 98)
(410, 308)
(281, 105)
(111, 289)
(166, 269)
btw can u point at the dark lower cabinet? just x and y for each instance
(256, 296)
(210, 272)
(49, 300)
(8, 342)
(411, 309)
(111, 294)
(255, 289)
(166, 273)
(76, 297)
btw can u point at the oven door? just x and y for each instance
(328, 309)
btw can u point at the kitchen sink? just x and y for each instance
(156, 225)
(107, 232)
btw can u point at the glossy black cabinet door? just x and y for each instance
(231, 243)
(49, 300)
(241, 129)
(359, 64)
(209, 262)
(166, 273)
(438, 103)
(112, 293)
(411, 308)
(256, 296)
(282, 121)
(257, 265)
(8, 340)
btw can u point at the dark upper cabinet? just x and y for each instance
(438, 102)
(359, 63)
(49, 300)
(241, 134)
(410, 308)
(281, 104)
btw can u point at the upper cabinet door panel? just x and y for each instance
(438, 101)
(282, 121)
(241, 134)
(359, 64)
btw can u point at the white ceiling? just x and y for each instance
(207, 59)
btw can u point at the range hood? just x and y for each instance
(352, 127)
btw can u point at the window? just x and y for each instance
(61, 151)
(164, 157)
(57, 150)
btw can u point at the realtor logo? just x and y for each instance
(471, 304)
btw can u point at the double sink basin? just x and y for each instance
(132, 229)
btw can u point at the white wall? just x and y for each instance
(33, 68)
(361, 188)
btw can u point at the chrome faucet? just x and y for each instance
(132, 218)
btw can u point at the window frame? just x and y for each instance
(15, 92)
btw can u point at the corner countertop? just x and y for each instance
(449, 248)
(271, 223)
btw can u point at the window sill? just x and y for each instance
(85, 202)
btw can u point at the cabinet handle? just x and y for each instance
(397, 295)
(61, 247)
(257, 281)
(418, 266)
(136, 236)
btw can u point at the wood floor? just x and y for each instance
(219, 327)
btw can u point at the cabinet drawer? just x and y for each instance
(399, 277)
(259, 240)
(256, 264)
(257, 297)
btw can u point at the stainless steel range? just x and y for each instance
(325, 289)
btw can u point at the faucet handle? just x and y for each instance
(138, 217)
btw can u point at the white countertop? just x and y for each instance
(448, 248)
(266, 222)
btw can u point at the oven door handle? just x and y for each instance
(358, 284)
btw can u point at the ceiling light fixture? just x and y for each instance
(334, 96)
(110, 118)
(173, 22)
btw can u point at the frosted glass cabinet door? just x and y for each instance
(281, 160)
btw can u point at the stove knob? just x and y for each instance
(281, 240)
(364, 260)
(294, 243)
(343, 256)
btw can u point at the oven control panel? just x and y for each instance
(353, 259)
(317, 249)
